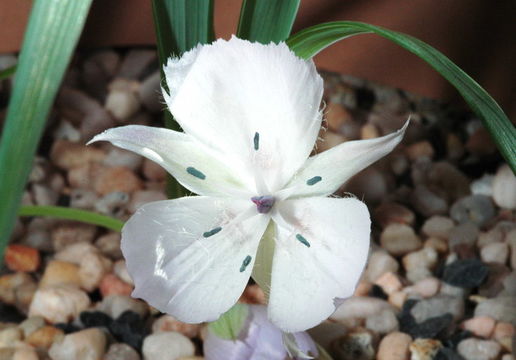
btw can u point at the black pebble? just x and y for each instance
(95, 319)
(9, 313)
(377, 292)
(67, 328)
(456, 338)
(129, 328)
(467, 273)
(431, 328)
(447, 354)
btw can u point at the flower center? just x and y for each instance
(263, 203)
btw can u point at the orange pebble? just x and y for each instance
(22, 258)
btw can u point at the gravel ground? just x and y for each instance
(440, 282)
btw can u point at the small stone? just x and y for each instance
(502, 308)
(23, 295)
(450, 290)
(360, 307)
(426, 288)
(86, 344)
(511, 240)
(9, 283)
(382, 323)
(398, 163)
(417, 274)
(168, 323)
(120, 270)
(84, 176)
(467, 273)
(394, 346)
(439, 245)
(378, 264)
(167, 345)
(119, 179)
(153, 171)
(504, 188)
(83, 199)
(504, 334)
(136, 63)
(129, 328)
(438, 226)
(120, 157)
(424, 258)
(95, 319)
(66, 131)
(75, 252)
(59, 273)
(474, 208)
(109, 245)
(482, 186)
(419, 150)
(113, 204)
(424, 349)
(369, 131)
(120, 351)
(454, 147)
(143, 197)
(122, 100)
(329, 139)
(58, 303)
(21, 258)
(495, 252)
(397, 299)
(438, 306)
(31, 324)
(355, 345)
(371, 185)
(466, 233)
(427, 202)
(10, 335)
(481, 326)
(112, 285)
(25, 353)
(116, 305)
(148, 91)
(476, 349)
(447, 179)
(43, 195)
(389, 282)
(399, 239)
(388, 213)
(92, 269)
(253, 294)
(68, 155)
(67, 233)
(364, 288)
(44, 337)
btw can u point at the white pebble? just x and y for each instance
(504, 188)
(89, 344)
(59, 303)
(476, 349)
(495, 252)
(167, 346)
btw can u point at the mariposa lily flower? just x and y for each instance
(251, 114)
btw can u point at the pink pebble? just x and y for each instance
(112, 285)
(482, 326)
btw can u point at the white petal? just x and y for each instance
(321, 250)
(192, 257)
(195, 166)
(324, 173)
(257, 103)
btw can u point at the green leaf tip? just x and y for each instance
(230, 324)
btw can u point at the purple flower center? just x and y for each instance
(263, 203)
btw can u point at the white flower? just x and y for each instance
(250, 115)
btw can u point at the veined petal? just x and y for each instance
(324, 173)
(195, 166)
(259, 104)
(321, 250)
(192, 257)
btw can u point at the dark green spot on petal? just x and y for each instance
(212, 232)
(313, 180)
(194, 172)
(246, 262)
(302, 240)
(256, 141)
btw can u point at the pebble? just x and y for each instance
(120, 179)
(82, 198)
(369, 131)
(86, 344)
(31, 324)
(495, 252)
(483, 185)
(481, 326)
(92, 269)
(44, 337)
(504, 188)
(427, 202)
(449, 180)
(121, 351)
(68, 155)
(113, 285)
(116, 305)
(95, 319)
(66, 131)
(75, 252)
(397, 299)
(466, 233)
(25, 354)
(424, 349)
(167, 346)
(511, 240)
(378, 264)
(153, 171)
(382, 323)
(58, 303)
(468, 273)
(476, 349)
(148, 93)
(120, 157)
(424, 258)
(371, 185)
(143, 197)
(426, 288)
(437, 306)
(129, 328)
(67, 233)
(21, 258)
(502, 308)
(253, 294)
(122, 100)
(109, 245)
(13, 285)
(10, 335)
(44, 195)
(399, 239)
(360, 307)
(59, 273)
(474, 208)
(336, 115)
(355, 345)
(168, 323)
(438, 226)
(136, 62)
(391, 212)
(120, 270)
(389, 282)
(439, 245)
(394, 346)
(419, 150)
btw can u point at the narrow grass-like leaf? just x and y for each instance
(180, 25)
(229, 325)
(310, 41)
(52, 33)
(267, 20)
(84, 216)
(6, 73)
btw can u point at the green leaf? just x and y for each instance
(267, 20)
(229, 325)
(6, 73)
(180, 25)
(52, 33)
(310, 41)
(73, 214)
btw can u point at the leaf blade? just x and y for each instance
(229, 325)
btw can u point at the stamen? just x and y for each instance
(313, 180)
(246, 262)
(302, 240)
(212, 232)
(263, 203)
(256, 141)
(194, 172)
